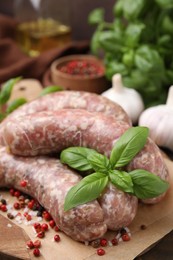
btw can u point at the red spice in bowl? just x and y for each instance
(82, 68)
(79, 72)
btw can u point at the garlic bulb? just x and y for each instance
(128, 98)
(159, 120)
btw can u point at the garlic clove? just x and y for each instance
(129, 99)
(159, 119)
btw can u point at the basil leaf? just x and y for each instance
(7, 89)
(147, 185)
(96, 16)
(128, 145)
(132, 9)
(15, 104)
(133, 34)
(76, 157)
(88, 189)
(50, 89)
(99, 162)
(122, 180)
(149, 60)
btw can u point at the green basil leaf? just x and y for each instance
(96, 16)
(95, 42)
(122, 180)
(149, 60)
(118, 8)
(50, 89)
(147, 185)
(15, 104)
(88, 189)
(99, 162)
(76, 157)
(114, 67)
(128, 145)
(133, 34)
(132, 9)
(110, 42)
(7, 89)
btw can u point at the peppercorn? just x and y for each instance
(44, 227)
(37, 243)
(39, 214)
(3, 201)
(37, 227)
(103, 242)
(3, 208)
(16, 205)
(143, 227)
(23, 183)
(36, 252)
(12, 191)
(100, 251)
(41, 234)
(28, 217)
(56, 228)
(31, 204)
(17, 193)
(10, 216)
(57, 238)
(125, 237)
(30, 244)
(52, 223)
(95, 243)
(114, 241)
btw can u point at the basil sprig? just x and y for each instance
(139, 183)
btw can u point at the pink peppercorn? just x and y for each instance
(100, 251)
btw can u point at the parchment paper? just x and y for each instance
(158, 220)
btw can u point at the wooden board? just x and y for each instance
(13, 241)
(158, 220)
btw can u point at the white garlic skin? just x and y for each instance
(159, 120)
(129, 99)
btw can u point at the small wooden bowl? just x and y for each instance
(96, 83)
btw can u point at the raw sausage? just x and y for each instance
(119, 208)
(73, 100)
(53, 131)
(70, 99)
(48, 181)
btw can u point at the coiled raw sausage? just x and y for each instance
(53, 131)
(47, 132)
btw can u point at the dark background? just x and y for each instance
(73, 12)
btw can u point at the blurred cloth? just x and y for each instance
(13, 62)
